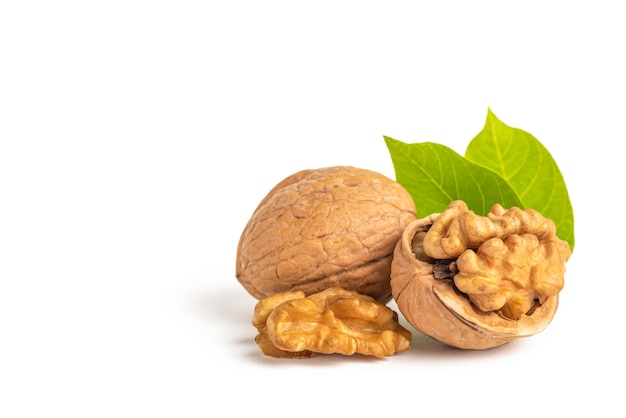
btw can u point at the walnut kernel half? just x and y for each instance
(334, 320)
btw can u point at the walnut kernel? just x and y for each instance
(334, 320)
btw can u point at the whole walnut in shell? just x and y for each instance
(332, 226)
(478, 282)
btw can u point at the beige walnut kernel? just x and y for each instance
(334, 320)
(333, 226)
(479, 281)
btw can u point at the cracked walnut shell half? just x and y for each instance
(332, 226)
(478, 282)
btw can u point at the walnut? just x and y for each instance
(478, 282)
(334, 320)
(333, 226)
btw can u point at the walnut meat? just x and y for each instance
(478, 282)
(334, 320)
(333, 226)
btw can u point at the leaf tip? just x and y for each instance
(491, 115)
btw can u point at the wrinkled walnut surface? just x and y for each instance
(334, 320)
(333, 226)
(478, 282)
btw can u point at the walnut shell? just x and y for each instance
(332, 226)
(435, 308)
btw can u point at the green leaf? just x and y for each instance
(435, 175)
(529, 169)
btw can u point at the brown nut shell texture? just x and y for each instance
(333, 226)
(334, 320)
(478, 282)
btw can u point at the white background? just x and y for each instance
(136, 139)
